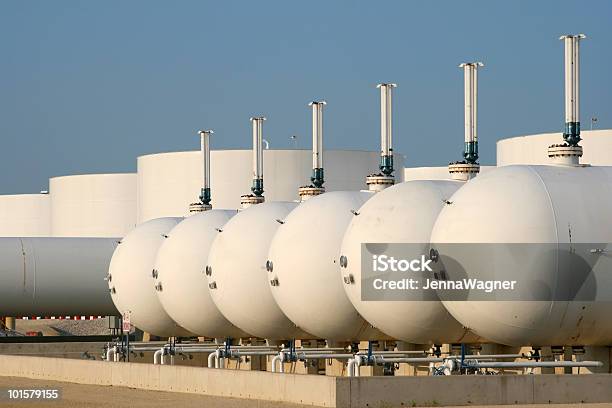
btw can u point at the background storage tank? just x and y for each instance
(169, 182)
(93, 205)
(531, 149)
(541, 225)
(131, 282)
(181, 275)
(433, 173)
(55, 276)
(304, 270)
(238, 280)
(404, 213)
(25, 215)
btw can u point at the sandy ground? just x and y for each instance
(93, 396)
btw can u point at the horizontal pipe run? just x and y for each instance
(535, 364)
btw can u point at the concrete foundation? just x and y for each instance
(318, 390)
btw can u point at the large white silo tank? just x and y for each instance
(93, 205)
(169, 182)
(304, 270)
(540, 207)
(238, 280)
(55, 276)
(181, 275)
(402, 214)
(532, 149)
(25, 215)
(130, 278)
(433, 173)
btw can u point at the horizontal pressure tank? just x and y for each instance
(547, 227)
(304, 269)
(181, 275)
(130, 278)
(402, 214)
(55, 276)
(238, 280)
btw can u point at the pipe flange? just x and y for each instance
(378, 182)
(463, 171)
(306, 192)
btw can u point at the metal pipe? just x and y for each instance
(211, 360)
(386, 128)
(257, 131)
(470, 76)
(572, 88)
(110, 352)
(205, 196)
(158, 355)
(276, 359)
(534, 364)
(317, 177)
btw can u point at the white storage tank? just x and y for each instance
(402, 214)
(169, 182)
(433, 173)
(545, 226)
(93, 205)
(130, 278)
(304, 269)
(531, 149)
(181, 275)
(238, 280)
(55, 276)
(25, 215)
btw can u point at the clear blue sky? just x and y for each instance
(87, 86)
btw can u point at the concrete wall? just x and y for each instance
(321, 390)
(169, 182)
(25, 215)
(93, 205)
(533, 149)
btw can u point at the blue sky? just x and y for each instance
(85, 87)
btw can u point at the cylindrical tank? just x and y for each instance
(238, 280)
(402, 214)
(181, 275)
(130, 278)
(549, 222)
(304, 270)
(169, 182)
(93, 205)
(55, 276)
(25, 215)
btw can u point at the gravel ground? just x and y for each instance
(56, 327)
(95, 396)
